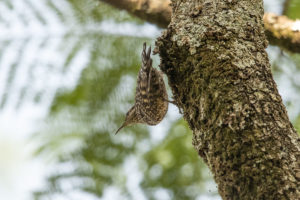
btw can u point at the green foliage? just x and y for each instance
(80, 126)
(102, 73)
(293, 9)
(174, 165)
(77, 132)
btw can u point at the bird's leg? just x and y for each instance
(173, 102)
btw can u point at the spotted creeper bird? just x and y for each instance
(151, 98)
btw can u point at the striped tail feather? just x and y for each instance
(146, 59)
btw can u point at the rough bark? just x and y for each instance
(159, 13)
(213, 53)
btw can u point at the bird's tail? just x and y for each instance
(146, 58)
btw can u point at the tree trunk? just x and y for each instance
(213, 53)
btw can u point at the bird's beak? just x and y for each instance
(123, 125)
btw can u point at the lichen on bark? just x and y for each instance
(213, 53)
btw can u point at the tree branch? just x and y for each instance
(159, 13)
(156, 12)
(283, 32)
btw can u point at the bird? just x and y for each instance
(151, 98)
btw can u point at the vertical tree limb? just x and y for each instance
(213, 53)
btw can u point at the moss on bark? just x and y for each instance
(213, 53)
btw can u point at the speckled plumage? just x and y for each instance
(151, 102)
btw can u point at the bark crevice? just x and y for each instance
(220, 77)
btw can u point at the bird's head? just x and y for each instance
(131, 118)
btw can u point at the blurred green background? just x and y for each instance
(67, 77)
